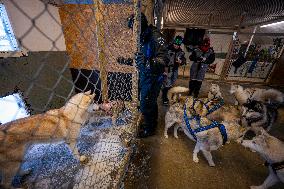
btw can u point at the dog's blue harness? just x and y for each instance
(196, 117)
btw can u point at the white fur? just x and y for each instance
(214, 91)
(173, 93)
(263, 95)
(272, 150)
(206, 140)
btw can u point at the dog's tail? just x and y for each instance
(272, 96)
(174, 92)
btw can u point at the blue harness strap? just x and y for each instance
(223, 132)
(214, 123)
(216, 107)
(186, 119)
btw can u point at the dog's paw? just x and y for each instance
(195, 159)
(176, 136)
(212, 164)
(166, 136)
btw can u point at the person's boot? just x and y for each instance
(165, 96)
(191, 87)
(148, 128)
(197, 89)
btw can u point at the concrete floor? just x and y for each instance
(167, 163)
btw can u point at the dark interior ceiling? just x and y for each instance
(221, 13)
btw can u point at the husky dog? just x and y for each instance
(263, 95)
(57, 124)
(256, 114)
(227, 113)
(206, 140)
(175, 92)
(214, 92)
(272, 150)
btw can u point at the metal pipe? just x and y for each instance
(250, 41)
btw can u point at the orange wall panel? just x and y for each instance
(79, 27)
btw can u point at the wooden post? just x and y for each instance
(101, 48)
(136, 36)
(226, 65)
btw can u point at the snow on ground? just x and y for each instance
(12, 107)
(53, 165)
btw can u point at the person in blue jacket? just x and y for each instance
(151, 62)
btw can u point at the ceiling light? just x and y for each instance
(272, 24)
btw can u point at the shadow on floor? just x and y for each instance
(161, 163)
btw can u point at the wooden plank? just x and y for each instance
(227, 62)
(101, 47)
(79, 27)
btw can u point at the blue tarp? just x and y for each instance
(53, 165)
(116, 1)
(88, 2)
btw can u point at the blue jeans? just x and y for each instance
(150, 86)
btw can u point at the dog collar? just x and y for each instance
(275, 166)
(252, 120)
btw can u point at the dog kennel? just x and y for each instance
(52, 50)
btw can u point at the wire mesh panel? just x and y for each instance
(73, 72)
(254, 55)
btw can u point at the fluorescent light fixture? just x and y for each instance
(272, 24)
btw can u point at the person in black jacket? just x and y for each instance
(201, 57)
(176, 59)
(151, 62)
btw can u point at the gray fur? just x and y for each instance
(272, 150)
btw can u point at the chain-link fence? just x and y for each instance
(254, 55)
(70, 85)
(246, 55)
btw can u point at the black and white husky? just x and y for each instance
(256, 114)
(272, 150)
(263, 95)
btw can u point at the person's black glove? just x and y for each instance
(140, 60)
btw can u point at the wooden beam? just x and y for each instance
(227, 62)
(101, 48)
(136, 36)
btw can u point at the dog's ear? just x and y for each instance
(93, 95)
(264, 132)
(249, 101)
(88, 92)
(259, 106)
